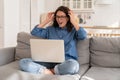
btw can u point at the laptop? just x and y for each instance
(45, 50)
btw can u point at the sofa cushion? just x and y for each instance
(23, 45)
(12, 72)
(105, 52)
(83, 69)
(83, 51)
(100, 73)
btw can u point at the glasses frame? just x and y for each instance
(61, 17)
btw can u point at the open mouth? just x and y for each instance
(60, 23)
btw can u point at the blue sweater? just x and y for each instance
(70, 38)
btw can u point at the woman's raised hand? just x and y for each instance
(73, 20)
(49, 18)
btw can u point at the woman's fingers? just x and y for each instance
(50, 16)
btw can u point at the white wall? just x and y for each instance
(51, 5)
(37, 8)
(11, 22)
(1, 13)
(24, 15)
(107, 15)
(1, 22)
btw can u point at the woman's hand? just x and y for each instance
(49, 18)
(73, 20)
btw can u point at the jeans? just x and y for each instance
(70, 66)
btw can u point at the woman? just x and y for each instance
(64, 27)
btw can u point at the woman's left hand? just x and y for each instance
(73, 20)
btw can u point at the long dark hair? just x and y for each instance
(66, 10)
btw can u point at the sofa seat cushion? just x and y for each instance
(105, 51)
(83, 69)
(11, 72)
(100, 73)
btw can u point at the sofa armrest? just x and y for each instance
(7, 55)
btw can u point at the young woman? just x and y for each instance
(64, 27)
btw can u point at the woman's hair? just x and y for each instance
(66, 10)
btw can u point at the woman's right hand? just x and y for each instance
(49, 18)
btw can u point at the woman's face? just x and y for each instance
(61, 19)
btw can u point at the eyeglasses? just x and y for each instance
(62, 17)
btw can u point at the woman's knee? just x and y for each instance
(68, 67)
(24, 63)
(28, 65)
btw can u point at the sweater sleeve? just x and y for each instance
(39, 32)
(81, 34)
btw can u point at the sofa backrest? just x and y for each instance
(83, 51)
(23, 45)
(105, 52)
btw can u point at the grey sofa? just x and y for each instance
(99, 59)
